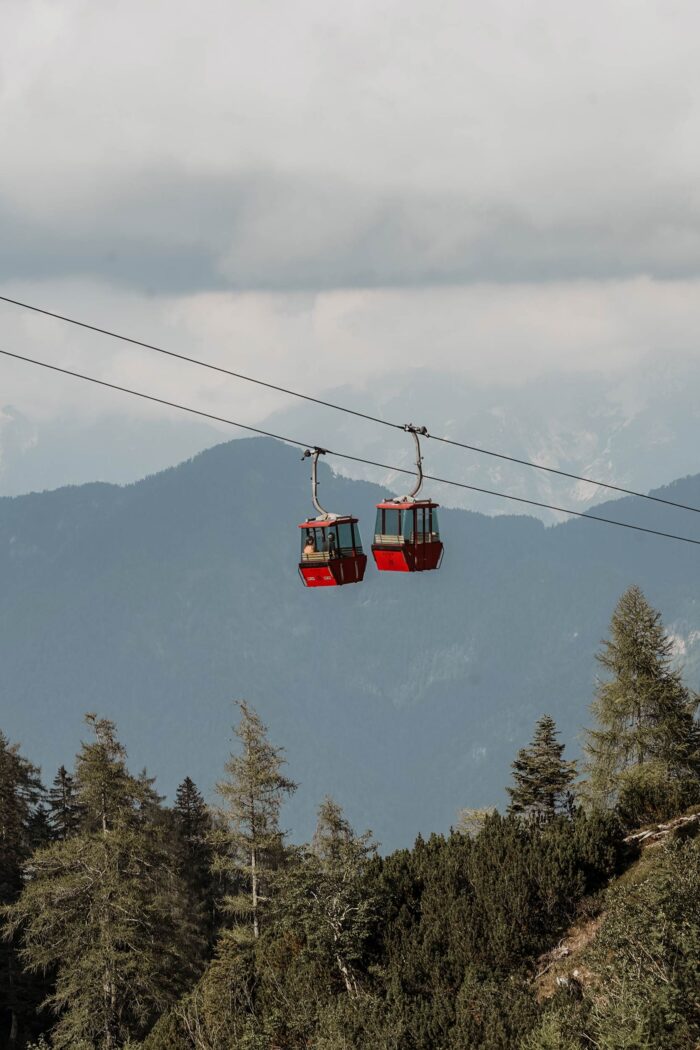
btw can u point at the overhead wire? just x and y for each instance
(343, 455)
(566, 474)
(344, 408)
(198, 361)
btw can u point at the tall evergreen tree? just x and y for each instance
(194, 850)
(344, 909)
(105, 908)
(193, 818)
(41, 832)
(107, 791)
(542, 776)
(20, 792)
(64, 810)
(252, 795)
(644, 753)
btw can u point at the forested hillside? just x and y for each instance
(161, 602)
(128, 923)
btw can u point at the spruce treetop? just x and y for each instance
(108, 794)
(646, 741)
(543, 777)
(65, 811)
(191, 811)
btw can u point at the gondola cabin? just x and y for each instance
(407, 536)
(331, 552)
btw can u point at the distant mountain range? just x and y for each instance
(158, 603)
(636, 430)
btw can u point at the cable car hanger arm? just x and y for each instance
(313, 454)
(411, 428)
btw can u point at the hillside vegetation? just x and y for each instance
(127, 923)
(631, 974)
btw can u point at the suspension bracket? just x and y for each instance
(417, 432)
(313, 454)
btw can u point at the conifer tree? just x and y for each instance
(40, 831)
(20, 791)
(106, 790)
(105, 908)
(193, 818)
(343, 907)
(193, 827)
(252, 794)
(644, 754)
(542, 776)
(64, 811)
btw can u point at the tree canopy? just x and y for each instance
(542, 776)
(182, 926)
(643, 753)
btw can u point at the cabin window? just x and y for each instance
(357, 541)
(388, 525)
(313, 544)
(346, 537)
(391, 525)
(332, 545)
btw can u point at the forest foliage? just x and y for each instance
(128, 922)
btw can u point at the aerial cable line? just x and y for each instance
(158, 400)
(202, 364)
(343, 408)
(565, 474)
(345, 455)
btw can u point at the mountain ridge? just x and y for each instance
(159, 602)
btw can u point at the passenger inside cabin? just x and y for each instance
(310, 546)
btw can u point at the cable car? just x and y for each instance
(407, 533)
(331, 547)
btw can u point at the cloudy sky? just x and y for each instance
(332, 194)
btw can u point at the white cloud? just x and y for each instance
(324, 195)
(490, 334)
(312, 144)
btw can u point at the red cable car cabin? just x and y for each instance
(331, 552)
(407, 536)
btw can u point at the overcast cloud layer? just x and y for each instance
(312, 145)
(326, 194)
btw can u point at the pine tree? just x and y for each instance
(252, 794)
(193, 818)
(343, 907)
(40, 831)
(20, 792)
(644, 754)
(105, 908)
(193, 827)
(542, 776)
(106, 790)
(64, 811)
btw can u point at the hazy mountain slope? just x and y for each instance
(158, 603)
(42, 454)
(636, 431)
